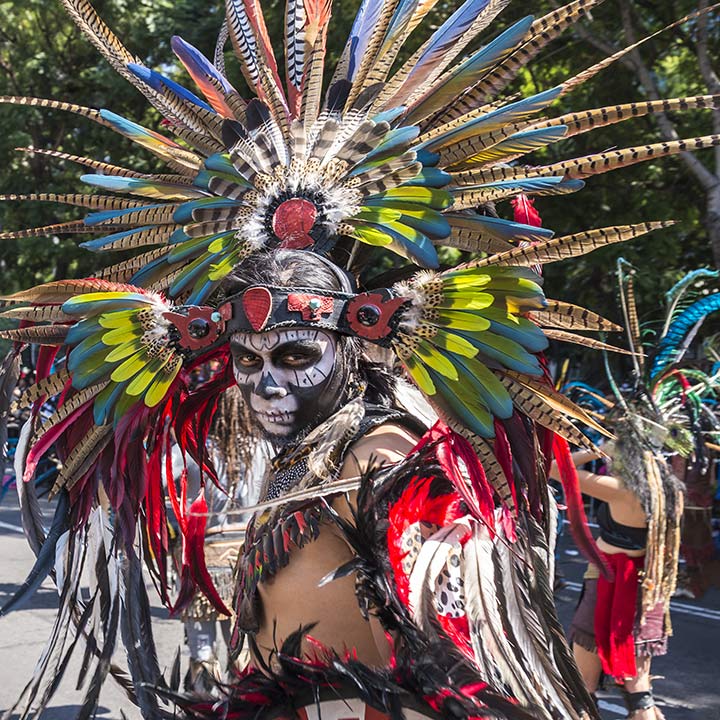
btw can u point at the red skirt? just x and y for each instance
(620, 633)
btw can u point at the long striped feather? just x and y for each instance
(408, 15)
(587, 120)
(66, 228)
(110, 47)
(42, 313)
(586, 75)
(82, 456)
(590, 165)
(315, 32)
(47, 387)
(556, 400)
(447, 42)
(253, 48)
(367, 52)
(564, 336)
(107, 168)
(88, 112)
(571, 245)
(543, 31)
(572, 317)
(96, 202)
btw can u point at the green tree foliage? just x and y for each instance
(43, 54)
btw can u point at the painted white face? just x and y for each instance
(284, 376)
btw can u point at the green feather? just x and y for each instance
(131, 366)
(158, 388)
(420, 375)
(127, 333)
(435, 359)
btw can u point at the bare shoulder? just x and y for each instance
(384, 445)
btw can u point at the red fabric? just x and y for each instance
(575, 508)
(615, 615)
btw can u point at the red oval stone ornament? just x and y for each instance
(292, 223)
(257, 304)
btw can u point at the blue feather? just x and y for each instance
(105, 401)
(398, 137)
(469, 72)
(504, 115)
(529, 363)
(531, 186)
(430, 177)
(103, 216)
(507, 230)
(668, 347)
(100, 243)
(361, 32)
(193, 272)
(449, 32)
(418, 250)
(453, 405)
(144, 276)
(427, 158)
(183, 215)
(82, 330)
(193, 247)
(192, 57)
(158, 82)
(389, 116)
(128, 301)
(221, 163)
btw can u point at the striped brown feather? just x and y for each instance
(66, 228)
(96, 202)
(47, 387)
(39, 334)
(551, 397)
(570, 245)
(564, 336)
(565, 315)
(70, 405)
(107, 168)
(542, 31)
(82, 457)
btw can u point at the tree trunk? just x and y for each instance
(712, 222)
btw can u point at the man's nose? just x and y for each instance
(268, 388)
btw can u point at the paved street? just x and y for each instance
(689, 690)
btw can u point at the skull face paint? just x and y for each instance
(287, 377)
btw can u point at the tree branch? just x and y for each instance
(708, 72)
(667, 128)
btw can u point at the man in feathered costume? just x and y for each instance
(387, 565)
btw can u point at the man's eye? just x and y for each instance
(298, 359)
(247, 360)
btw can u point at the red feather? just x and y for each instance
(524, 211)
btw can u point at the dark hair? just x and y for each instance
(299, 268)
(287, 268)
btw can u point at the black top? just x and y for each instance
(621, 536)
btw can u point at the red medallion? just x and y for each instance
(292, 223)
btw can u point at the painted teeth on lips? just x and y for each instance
(277, 417)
